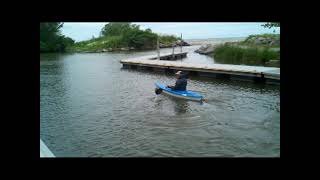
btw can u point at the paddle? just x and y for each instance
(158, 91)
(205, 100)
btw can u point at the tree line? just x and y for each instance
(112, 35)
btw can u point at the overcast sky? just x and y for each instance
(85, 31)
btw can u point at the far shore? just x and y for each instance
(213, 40)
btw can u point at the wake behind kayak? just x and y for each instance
(189, 95)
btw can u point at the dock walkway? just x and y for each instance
(270, 75)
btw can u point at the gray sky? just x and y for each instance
(85, 31)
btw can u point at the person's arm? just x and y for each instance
(177, 85)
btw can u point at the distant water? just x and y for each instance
(214, 40)
(90, 107)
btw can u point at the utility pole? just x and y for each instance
(181, 43)
(158, 49)
(172, 49)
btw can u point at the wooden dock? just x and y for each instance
(44, 150)
(170, 56)
(270, 75)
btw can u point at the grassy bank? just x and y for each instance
(248, 53)
(113, 43)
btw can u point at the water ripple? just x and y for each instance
(90, 107)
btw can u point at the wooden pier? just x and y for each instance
(269, 75)
(170, 56)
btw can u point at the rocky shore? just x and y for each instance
(205, 49)
(272, 42)
(178, 43)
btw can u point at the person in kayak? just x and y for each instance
(181, 83)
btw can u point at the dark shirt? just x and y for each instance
(181, 84)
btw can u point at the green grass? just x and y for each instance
(248, 53)
(97, 44)
(233, 54)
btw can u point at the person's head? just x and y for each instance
(179, 74)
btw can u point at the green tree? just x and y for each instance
(67, 41)
(129, 35)
(49, 31)
(118, 34)
(114, 28)
(51, 39)
(271, 24)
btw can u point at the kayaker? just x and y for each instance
(181, 83)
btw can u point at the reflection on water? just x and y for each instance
(181, 106)
(89, 106)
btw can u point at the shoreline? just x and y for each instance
(192, 42)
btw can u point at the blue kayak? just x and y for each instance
(190, 95)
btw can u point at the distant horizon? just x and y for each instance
(213, 38)
(190, 31)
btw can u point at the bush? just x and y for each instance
(113, 42)
(168, 39)
(251, 38)
(118, 35)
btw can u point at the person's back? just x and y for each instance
(181, 83)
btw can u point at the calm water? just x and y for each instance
(89, 106)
